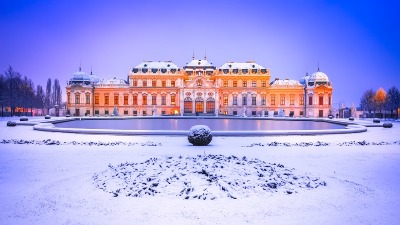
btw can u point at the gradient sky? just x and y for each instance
(356, 43)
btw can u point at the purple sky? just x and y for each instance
(355, 42)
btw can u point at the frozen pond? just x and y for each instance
(216, 124)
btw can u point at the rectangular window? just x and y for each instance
(116, 99)
(225, 83)
(106, 112)
(163, 112)
(145, 83)
(153, 83)
(234, 113)
(291, 100)
(172, 83)
(321, 100)
(68, 98)
(163, 83)
(134, 83)
(154, 100)
(125, 99)
(234, 100)
(301, 113)
(135, 100)
(263, 83)
(254, 83)
(77, 99)
(96, 112)
(96, 99)
(134, 113)
(310, 100)
(272, 99)
(253, 100)
(144, 102)
(225, 100)
(87, 112)
(87, 99)
(244, 100)
(144, 113)
(244, 84)
(263, 100)
(106, 100)
(172, 99)
(253, 113)
(301, 100)
(125, 112)
(163, 100)
(282, 100)
(329, 100)
(234, 83)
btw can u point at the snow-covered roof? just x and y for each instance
(318, 77)
(113, 81)
(157, 65)
(241, 65)
(304, 79)
(199, 63)
(285, 82)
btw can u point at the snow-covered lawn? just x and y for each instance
(60, 181)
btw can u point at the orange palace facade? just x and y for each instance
(199, 88)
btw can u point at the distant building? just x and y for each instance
(199, 88)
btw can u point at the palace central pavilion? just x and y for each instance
(199, 88)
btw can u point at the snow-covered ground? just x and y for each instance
(59, 178)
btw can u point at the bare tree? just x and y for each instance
(392, 102)
(367, 102)
(48, 99)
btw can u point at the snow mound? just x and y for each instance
(200, 135)
(202, 177)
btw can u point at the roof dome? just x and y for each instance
(304, 79)
(318, 78)
(80, 76)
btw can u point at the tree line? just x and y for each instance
(374, 102)
(18, 94)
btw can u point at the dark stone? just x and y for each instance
(200, 136)
(387, 125)
(24, 118)
(11, 124)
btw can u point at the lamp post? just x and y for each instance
(93, 99)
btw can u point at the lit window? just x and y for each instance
(154, 100)
(106, 100)
(234, 83)
(272, 99)
(135, 100)
(225, 83)
(153, 83)
(254, 84)
(263, 83)
(126, 100)
(244, 83)
(282, 100)
(172, 99)
(225, 99)
(115, 99)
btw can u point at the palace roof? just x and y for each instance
(157, 65)
(241, 65)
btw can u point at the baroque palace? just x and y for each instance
(199, 88)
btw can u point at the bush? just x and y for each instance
(23, 118)
(387, 125)
(351, 118)
(376, 121)
(11, 124)
(200, 135)
(47, 117)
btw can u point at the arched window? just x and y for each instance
(210, 105)
(199, 105)
(187, 104)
